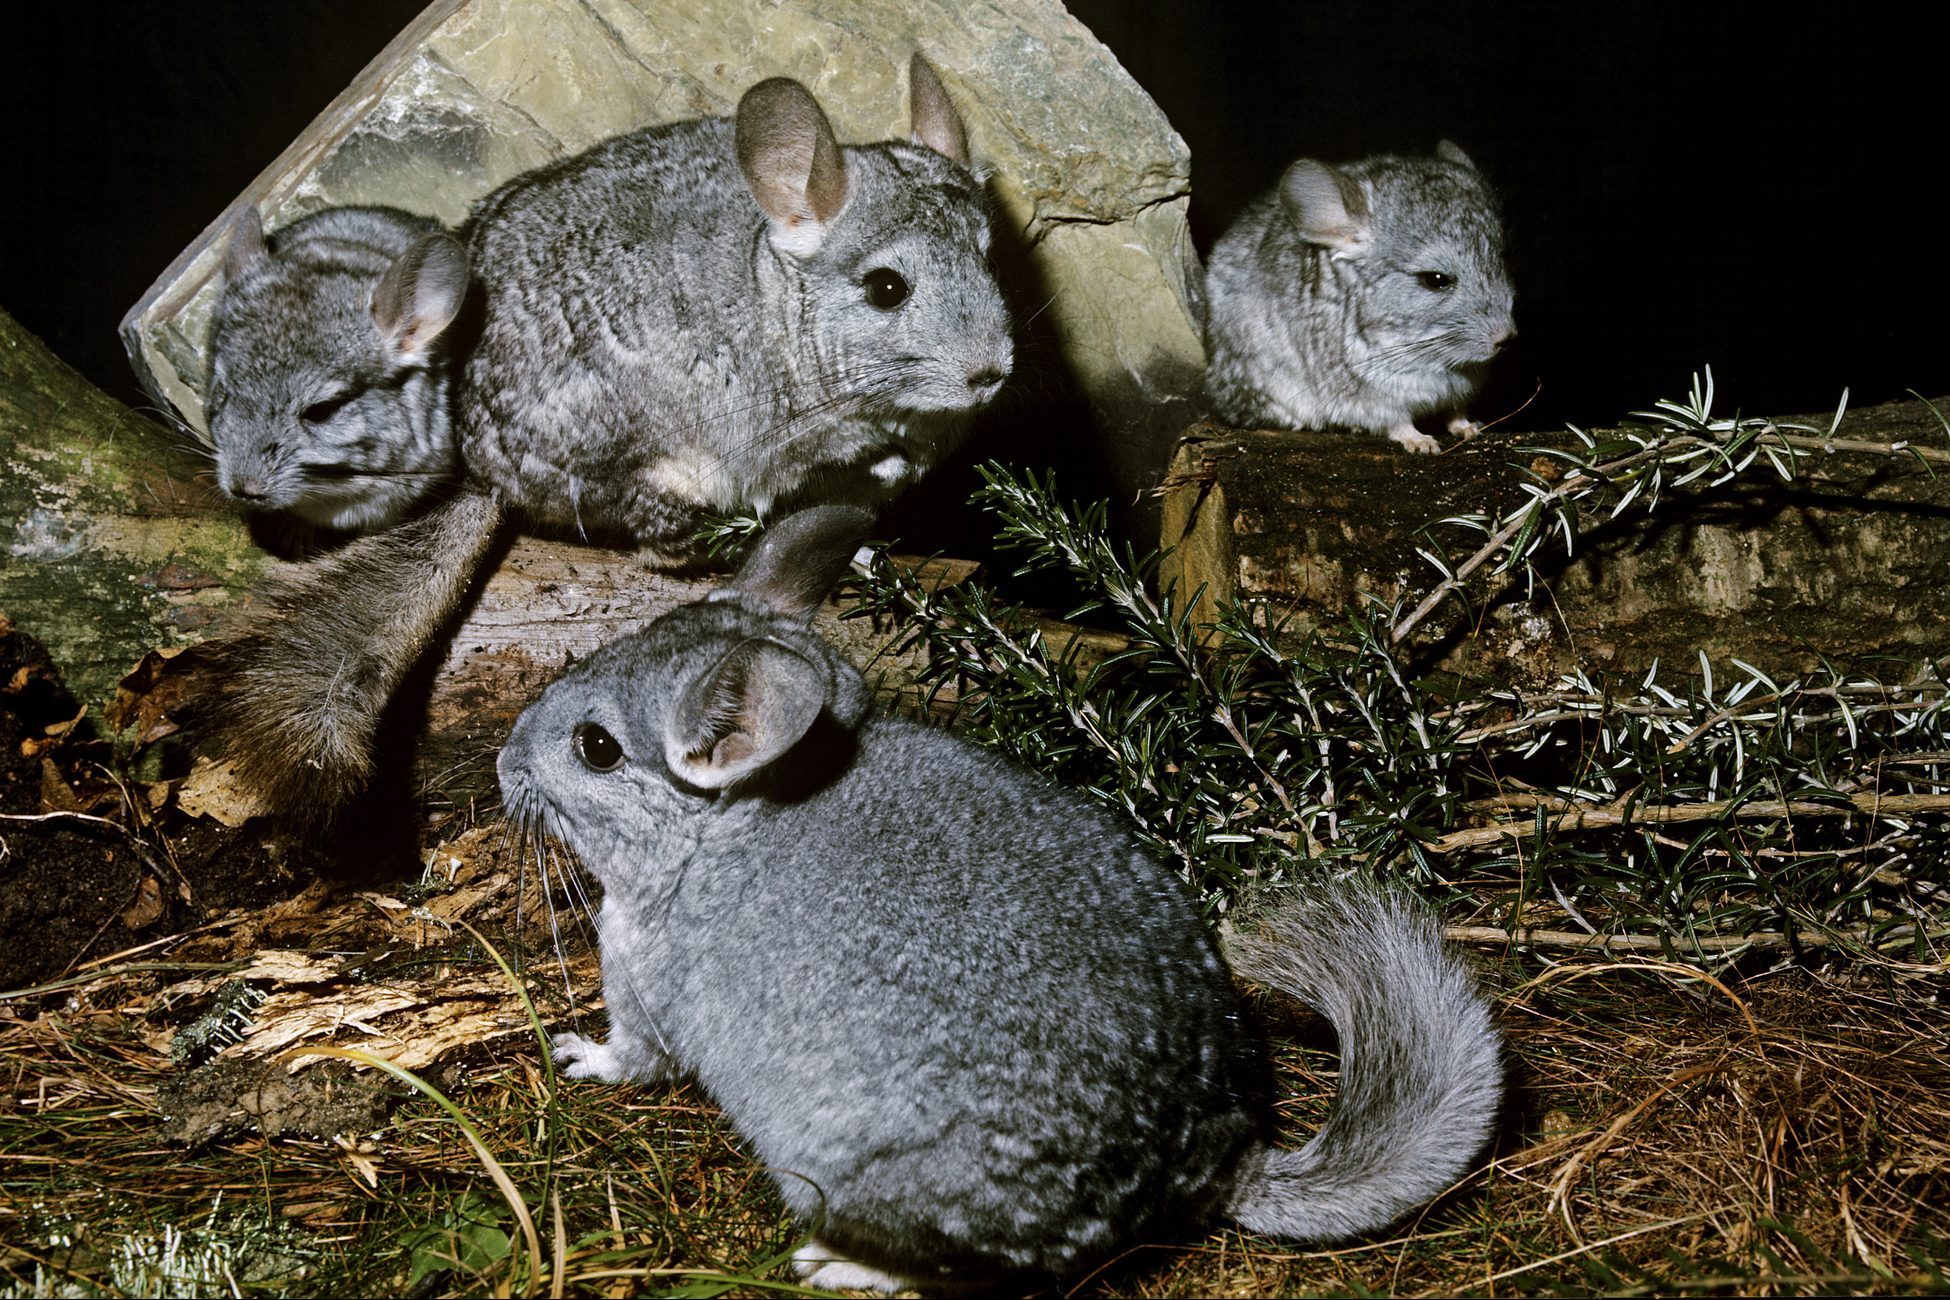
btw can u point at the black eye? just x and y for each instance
(320, 412)
(885, 288)
(596, 748)
(1436, 281)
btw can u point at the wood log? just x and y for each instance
(1850, 558)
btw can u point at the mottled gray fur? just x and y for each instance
(721, 314)
(973, 1027)
(684, 319)
(328, 389)
(1363, 296)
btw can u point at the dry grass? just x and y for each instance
(1667, 1133)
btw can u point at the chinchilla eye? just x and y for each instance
(596, 748)
(886, 288)
(1436, 281)
(320, 412)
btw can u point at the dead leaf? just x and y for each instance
(212, 790)
(148, 905)
(56, 794)
(151, 692)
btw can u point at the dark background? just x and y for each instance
(1684, 184)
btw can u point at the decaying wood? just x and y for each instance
(1763, 941)
(1868, 802)
(1852, 556)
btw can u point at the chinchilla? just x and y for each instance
(974, 1028)
(732, 314)
(330, 369)
(1363, 296)
(713, 315)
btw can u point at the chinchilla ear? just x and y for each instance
(802, 556)
(791, 162)
(936, 123)
(419, 296)
(1327, 208)
(741, 713)
(246, 247)
(1450, 151)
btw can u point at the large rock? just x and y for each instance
(1091, 177)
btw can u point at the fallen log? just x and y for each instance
(1848, 558)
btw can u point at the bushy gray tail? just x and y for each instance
(1420, 1074)
(302, 685)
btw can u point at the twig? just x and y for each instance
(1765, 940)
(1869, 801)
(1861, 444)
(1453, 582)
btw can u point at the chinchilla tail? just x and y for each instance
(1420, 1069)
(301, 684)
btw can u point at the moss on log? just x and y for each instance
(115, 540)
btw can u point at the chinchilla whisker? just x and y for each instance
(570, 873)
(330, 471)
(555, 932)
(1030, 319)
(170, 418)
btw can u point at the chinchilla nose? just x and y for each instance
(986, 372)
(247, 487)
(1501, 339)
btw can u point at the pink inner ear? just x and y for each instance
(735, 748)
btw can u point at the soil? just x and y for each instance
(95, 857)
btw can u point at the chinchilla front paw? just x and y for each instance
(587, 1059)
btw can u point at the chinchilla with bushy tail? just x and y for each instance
(1365, 296)
(330, 365)
(725, 314)
(974, 1029)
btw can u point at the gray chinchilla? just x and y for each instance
(721, 314)
(732, 314)
(972, 1025)
(1362, 296)
(330, 372)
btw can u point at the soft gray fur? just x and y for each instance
(682, 319)
(973, 1027)
(677, 320)
(1363, 296)
(329, 368)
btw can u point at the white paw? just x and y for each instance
(585, 1059)
(892, 470)
(1463, 427)
(821, 1266)
(1413, 439)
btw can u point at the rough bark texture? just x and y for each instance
(1851, 558)
(1091, 180)
(115, 543)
